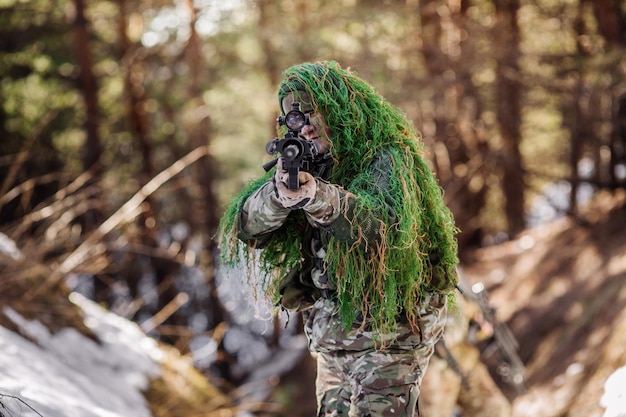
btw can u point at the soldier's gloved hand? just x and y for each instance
(294, 199)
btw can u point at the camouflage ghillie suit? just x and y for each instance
(354, 377)
(367, 253)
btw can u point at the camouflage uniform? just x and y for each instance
(354, 377)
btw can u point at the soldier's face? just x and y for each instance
(317, 130)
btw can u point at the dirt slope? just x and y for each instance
(561, 289)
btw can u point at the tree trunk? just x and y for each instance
(92, 149)
(508, 111)
(618, 145)
(611, 17)
(457, 143)
(164, 270)
(136, 98)
(205, 204)
(89, 89)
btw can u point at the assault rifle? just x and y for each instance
(297, 153)
(510, 366)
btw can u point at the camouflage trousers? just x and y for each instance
(355, 379)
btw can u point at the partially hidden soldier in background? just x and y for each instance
(362, 243)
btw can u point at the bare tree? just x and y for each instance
(92, 149)
(594, 114)
(454, 130)
(618, 144)
(165, 269)
(205, 202)
(611, 18)
(508, 111)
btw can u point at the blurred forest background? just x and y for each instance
(127, 125)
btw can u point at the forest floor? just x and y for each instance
(561, 289)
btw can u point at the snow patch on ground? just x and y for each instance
(614, 398)
(67, 374)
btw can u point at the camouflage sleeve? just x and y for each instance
(261, 213)
(325, 207)
(334, 209)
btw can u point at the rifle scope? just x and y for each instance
(295, 120)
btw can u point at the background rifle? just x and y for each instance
(510, 367)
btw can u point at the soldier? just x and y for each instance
(364, 246)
